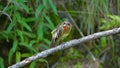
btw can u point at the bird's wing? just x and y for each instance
(56, 36)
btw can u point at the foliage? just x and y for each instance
(26, 25)
(29, 28)
(111, 22)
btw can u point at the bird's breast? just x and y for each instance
(66, 28)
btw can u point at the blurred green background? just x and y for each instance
(26, 25)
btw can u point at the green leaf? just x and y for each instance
(44, 46)
(44, 60)
(32, 42)
(31, 49)
(47, 41)
(40, 31)
(10, 55)
(3, 35)
(29, 19)
(17, 15)
(31, 35)
(32, 65)
(12, 50)
(103, 41)
(45, 3)
(38, 10)
(23, 23)
(53, 7)
(113, 47)
(6, 35)
(1, 62)
(18, 56)
(19, 32)
(20, 1)
(15, 43)
(26, 55)
(24, 7)
(50, 23)
(10, 27)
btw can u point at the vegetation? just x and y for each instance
(26, 25)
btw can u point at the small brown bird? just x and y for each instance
(60, 32)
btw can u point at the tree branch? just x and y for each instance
(74, 42)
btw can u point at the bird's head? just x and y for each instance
(66, 25)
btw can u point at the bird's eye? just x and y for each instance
(68, 23)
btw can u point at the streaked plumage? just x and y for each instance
(60, 32)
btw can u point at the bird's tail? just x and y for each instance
(52, 44)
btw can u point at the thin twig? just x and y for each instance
(6, 15)
(66, 45)
(8, 3)
(76, 25)
(3, 11)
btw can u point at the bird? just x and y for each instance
(60, 32)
